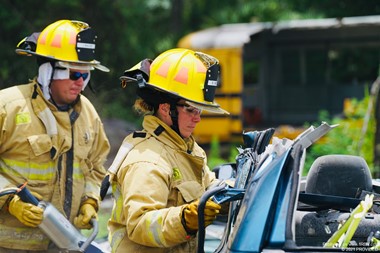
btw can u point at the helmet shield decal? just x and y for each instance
(211, 82)
(85, 46)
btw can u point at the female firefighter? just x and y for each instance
(51, 137)
(160, 172)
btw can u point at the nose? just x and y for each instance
(79, 81)
(197, 118)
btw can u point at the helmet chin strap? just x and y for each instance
(174, 117)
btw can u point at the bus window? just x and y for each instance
(251, 73)
(291, 67)
(353, 66)
(251, 95)
(316, 66)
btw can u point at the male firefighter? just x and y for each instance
(160, 172)
(51, 137)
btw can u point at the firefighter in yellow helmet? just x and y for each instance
(160, 173)
(51, 137)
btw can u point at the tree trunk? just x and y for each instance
(376, 155)
(176, 16)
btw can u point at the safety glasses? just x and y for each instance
(76, 75)
(190, 110)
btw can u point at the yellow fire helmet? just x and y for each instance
(71, 43)
(183, 73)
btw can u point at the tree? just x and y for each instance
(132, 30)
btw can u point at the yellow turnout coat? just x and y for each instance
(59, 153)
(159, 175)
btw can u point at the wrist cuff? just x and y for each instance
(188, 231)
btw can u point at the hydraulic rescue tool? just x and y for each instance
(65, 236)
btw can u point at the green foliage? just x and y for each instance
(129, 31)
(349, 137)
(216, 156)
(115, 110)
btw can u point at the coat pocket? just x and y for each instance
(41, 144)
(190, 190)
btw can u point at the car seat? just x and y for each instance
(333, 186)
(339, 175)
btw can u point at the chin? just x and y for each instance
(187, 135)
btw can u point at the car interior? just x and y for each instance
(337, 206)
(333, 188)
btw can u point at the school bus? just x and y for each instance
(276, 74)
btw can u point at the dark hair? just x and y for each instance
(154, 97)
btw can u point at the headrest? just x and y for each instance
(339, 175)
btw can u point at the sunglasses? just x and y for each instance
(190, 110)
(76, 75)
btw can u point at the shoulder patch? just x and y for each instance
(176, 174)
(23, 118)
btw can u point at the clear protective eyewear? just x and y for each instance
(190, 110)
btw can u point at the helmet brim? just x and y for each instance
(82, 65)
(210, 107)
(213, 108)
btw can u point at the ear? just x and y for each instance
(164, 108)
(163, 113)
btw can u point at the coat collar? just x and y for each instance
(168, 135)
